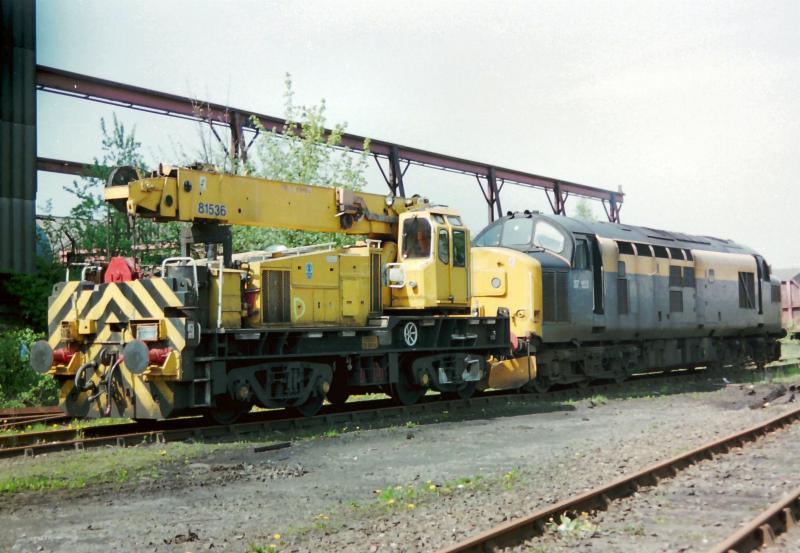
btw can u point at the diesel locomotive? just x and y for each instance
(535, 300)
(604, 300)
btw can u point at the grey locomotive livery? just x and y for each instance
(618, 299)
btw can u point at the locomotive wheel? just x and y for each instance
(404, 391)
(540, 384)
(310, 406)
(464, 392)
(228, 411)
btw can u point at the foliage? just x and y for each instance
(584, 211)
(299, 152)
(20, 385)
(101, 467)
(30, 292)
(94, 227)
(573, 527)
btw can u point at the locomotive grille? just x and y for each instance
(747, 290)
(276, 298)
(622, 296)
(676, 301)
(554, 297)
(375, 282)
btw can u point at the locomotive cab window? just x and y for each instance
(443, 246)
(548, 237)
(490, 237)
(459, 248)
(517, 232)
(416, 238)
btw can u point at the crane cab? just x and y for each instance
(431, 271)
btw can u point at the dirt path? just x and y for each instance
(307, 493)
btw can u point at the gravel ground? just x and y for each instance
(319, 495)
(787, 543)
(694, 511)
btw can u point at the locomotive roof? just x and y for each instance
(647, 235)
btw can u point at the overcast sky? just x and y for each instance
(693, 108)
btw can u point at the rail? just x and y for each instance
(517, 531)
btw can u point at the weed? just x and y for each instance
(511, 478)
(634, 529)
(411, 424)
(598, 399)
(580, 526)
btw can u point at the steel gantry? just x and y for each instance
(491, 178)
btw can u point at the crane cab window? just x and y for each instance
(443, 246)
(459, 248)
(416, 238)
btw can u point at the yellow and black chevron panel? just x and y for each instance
(90, 317)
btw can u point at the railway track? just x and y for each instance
(359, 412)
(518, 534)
(762, 531)
(24, 416)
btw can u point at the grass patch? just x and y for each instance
(397, 498)
(634, 529)
(74, 424)
(786, 374)
(73, 470)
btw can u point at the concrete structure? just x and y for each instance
(17, 135)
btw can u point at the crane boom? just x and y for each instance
(198, 196)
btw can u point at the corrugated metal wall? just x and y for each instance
(17, 135)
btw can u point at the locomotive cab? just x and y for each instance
(432, 265)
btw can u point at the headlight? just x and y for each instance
(147, 333)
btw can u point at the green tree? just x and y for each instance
(299, 152)
(20, 385)
(584, 211)
(96, 228)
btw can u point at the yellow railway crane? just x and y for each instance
(275, 328)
